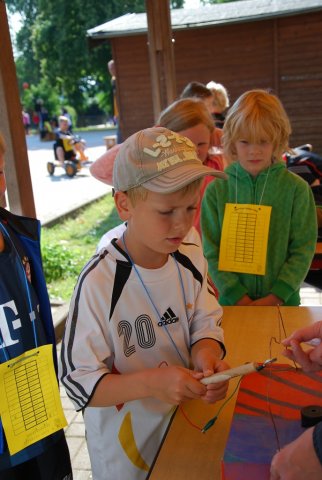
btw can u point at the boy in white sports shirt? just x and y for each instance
(144, 324)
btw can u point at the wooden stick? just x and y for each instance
(228, 374)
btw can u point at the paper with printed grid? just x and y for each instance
(30, 404)
(244, 237)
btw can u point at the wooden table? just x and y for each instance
(188, 454)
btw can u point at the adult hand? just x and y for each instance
(297, 460)
(310, 359)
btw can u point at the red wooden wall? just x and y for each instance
(283, 54)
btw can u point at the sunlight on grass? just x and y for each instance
(68, 245)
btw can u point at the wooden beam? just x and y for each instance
(19, 186)
(161, 54)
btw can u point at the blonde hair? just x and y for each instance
(256, 116)
(186, 113)
(137, 193)
(2, 144)
(220, 94)
(140, 193)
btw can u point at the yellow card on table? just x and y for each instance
(244, 237)
(30, 404)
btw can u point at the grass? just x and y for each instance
(68, 245)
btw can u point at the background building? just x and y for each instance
(243, 45)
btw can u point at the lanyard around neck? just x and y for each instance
(151, 300)
(261, 198)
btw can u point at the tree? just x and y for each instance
(53, 48)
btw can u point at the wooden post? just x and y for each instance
(161, 54)
(19, 186)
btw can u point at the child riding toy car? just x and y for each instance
(69, 150)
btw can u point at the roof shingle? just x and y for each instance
(220, 13)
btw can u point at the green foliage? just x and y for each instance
(68, 245)
(53, 46)
(177, 3)
(54, 51)
(58, 261)
(42, 90)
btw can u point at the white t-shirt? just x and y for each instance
(113, 327)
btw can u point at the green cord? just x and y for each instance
(211, 422)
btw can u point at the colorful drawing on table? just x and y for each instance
(267, 416)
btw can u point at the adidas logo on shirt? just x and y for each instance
(168, 317)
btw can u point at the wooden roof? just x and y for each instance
(207, 16)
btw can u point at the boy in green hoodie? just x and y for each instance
(262, 252)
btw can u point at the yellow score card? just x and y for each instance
(30, 404)
(244, 238)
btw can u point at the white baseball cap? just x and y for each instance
(160, 160)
